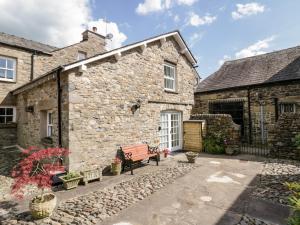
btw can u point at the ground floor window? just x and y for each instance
(7, 115)
(287, 108)
(49, 124)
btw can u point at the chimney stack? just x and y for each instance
(95, 29)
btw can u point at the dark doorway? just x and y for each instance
(235, 109)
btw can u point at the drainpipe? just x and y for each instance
(249, 117)
(32, 65)
(59, 121)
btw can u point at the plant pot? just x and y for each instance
(40, 210)
(191, 156)
(116, 168)
(91, 174)
(71, 183)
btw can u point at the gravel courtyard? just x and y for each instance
(216, 190)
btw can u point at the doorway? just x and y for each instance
(170, 130)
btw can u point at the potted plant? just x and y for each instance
(116, 166)
(191, 156)
(166, 152)
(230, 147)
(37, 168)
(71, 180)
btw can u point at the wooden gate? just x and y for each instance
(192, 136)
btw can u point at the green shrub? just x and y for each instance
(294, 200)
(71, 175)
(214, 144)
(297, 141)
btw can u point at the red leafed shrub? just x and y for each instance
(37, 168)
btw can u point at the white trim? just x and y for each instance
(126, 48)
(49, 124)
(174, 79)
(14, 112)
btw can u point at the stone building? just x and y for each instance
(255, 91)
(103, 99)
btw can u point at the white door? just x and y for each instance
(170, 133)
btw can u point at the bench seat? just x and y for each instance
(136, 153)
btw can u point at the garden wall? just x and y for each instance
(219, 123)
(8, 134)
(285, 130)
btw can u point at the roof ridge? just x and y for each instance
(280, 51)
(28, 39)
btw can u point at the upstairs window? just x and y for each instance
(287, 108)
(7, 69)
(81, 55)
(169, 77)
(7, 115)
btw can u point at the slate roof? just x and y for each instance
(20, 42)
(283, 65)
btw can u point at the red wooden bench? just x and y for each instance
(137, 153)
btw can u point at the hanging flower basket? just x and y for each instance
(42, 206)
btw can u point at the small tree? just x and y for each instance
(37, 168)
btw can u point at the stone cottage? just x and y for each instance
(91, 101)
(255, 91)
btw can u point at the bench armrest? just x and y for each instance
(153, 150)
(128, 156)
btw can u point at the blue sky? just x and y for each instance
(278, 25)
(216, 30)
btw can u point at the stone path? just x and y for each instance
(99, 205)
(275, 173)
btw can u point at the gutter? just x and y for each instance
(26, 49)
(59, 120)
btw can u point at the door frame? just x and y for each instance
(180, 124)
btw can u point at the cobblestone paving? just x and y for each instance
(275, 173)
(99, 205)
(247, 220)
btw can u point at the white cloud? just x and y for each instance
(224, 59)
(152, 6)
(186, 2)
(255, 49)
(55, 22)
(196, 20)
(248, 9)
(195, 38)
(110, 27)
(176, 18)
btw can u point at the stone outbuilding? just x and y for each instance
(137, 93)
(255, 91)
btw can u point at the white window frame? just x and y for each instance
(49, 124)
(81, 53)
(172, 66)
(14, 113)
(281, 107)
(6, 69)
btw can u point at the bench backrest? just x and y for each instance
(141, 149)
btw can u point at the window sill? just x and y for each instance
(7, 80)
(171, 92)
(8, 125)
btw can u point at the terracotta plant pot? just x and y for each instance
(40, 210)
(116, 168)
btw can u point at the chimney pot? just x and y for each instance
(95, 29)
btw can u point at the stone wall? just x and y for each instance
(219, 124)
(43, 98)
(100, 116)
(260, 98)
(285, 130)
(8, 134)
(92, 44)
